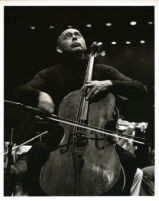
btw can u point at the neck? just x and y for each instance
(73, 56)
(79, 56)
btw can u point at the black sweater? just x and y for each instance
(61, 79)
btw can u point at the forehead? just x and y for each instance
(69, 31)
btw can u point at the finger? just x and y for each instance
(46, 111)
(88, 82)
(94, 94)
(92, 83)
(90, 93)
(83, 88)
(42, 111)
(51, 110)
(43, 106)
(46, 107)
(46, 103)
(86, 86)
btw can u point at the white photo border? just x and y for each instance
(83, 3)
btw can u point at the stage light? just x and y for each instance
(150, 22)
(69, 26)
(32, 27)
(142, 41)
(113, 42)
(51, 27)
(133, 23)
(88, 25)
(108, 24)
(128, 42)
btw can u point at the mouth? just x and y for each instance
(75, 45)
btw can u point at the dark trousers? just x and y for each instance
(129, 163)
(39, 153)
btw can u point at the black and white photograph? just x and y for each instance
(79, 100)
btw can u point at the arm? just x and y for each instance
(125, 86)
(35, 93)
(116, 82)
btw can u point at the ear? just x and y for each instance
(59, 50)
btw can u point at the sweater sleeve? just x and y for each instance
(29, 92)
(123, 85)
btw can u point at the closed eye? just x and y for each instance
(68, 35)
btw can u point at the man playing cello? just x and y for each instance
(48, 88)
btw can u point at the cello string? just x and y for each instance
(82, 96)
(81, 121)
(76, 129)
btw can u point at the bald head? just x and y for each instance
(71, 40)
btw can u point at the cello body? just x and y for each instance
(95, 170)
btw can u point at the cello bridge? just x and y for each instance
(80, 139)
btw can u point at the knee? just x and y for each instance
(38, 154)
(128, 158)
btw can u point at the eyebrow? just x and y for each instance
(72, 33)
(67, 33)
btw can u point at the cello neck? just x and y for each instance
(88, 77)
(89, 71)
(95, 51)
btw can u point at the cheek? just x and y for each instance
(65, 44)
(83, 43)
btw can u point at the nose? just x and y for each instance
(74, 37)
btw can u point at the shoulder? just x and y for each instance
(51, 68)
(49, 71)
(105, 67)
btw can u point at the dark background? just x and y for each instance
(29, 50)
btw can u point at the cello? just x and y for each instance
(87, 163)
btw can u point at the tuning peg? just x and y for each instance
(99, 44)
(96, 49)
(102, 53)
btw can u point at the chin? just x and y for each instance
(77, 49)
